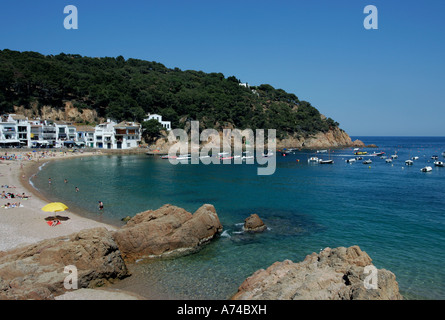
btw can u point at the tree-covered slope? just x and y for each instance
(129, 89)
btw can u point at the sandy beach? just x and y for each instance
(25, 223)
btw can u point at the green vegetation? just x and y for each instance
(129, 89)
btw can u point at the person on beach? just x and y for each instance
(77, 189)
(101, 205)
(49, 181)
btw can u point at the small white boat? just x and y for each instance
(394, 156)
(388, 160)
(322, 151)
(184, 157)
(409, 162)
(247, 155)
(326, 161)
(415, 158)
(443, 154)
(426, 169)
(434, 157)
(351, 160)
(313, 159)
(369, 161)
(439, 163)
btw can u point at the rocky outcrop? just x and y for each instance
(68, 113)
(333, 274)
(37, 271)
(334, 138)
(254, 224)
(169, 230)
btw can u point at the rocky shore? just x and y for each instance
(99, 256)
(333, 274)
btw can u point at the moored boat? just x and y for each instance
(369, 161)
(326, 161)
(313, 159)
(388, 160)
(426, 169)
(409, 162)
(439, 163)
(351, 160)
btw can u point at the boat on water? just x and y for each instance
(434, 157)
(360, 153)
(426, 169)
(184, 157)
(313, 159)
(326, 161)
(247, 155)
(388, 160)
(322, 151)
(358, 158)
(394, 156)
(443, 154)
(415, 158)
(166, 156)
(369, 161)
(351, 160)
(378, 154)
(409, 162)
(439, 163)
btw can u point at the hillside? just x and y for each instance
(129, 89)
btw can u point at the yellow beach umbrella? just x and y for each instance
(55, 207)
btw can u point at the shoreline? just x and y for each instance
(25, 224)
(27, 221)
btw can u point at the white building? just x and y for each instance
(112, 135)
(85, 136)
(166, 124)
(9, 136)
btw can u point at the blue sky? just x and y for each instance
(389, 81)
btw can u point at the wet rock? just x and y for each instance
(333, 274)
(37, 271)
(254, 224)
(169, 230)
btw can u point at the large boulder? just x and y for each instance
(333, 274)
(253, 223)
(169, 230)
(38, 271)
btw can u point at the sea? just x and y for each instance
(393, 212)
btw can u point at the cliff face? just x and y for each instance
(68, 113)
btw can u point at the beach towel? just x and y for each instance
(53, 223)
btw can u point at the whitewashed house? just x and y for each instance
(165, 124)
(112, 135)
(8, 132)
(85, 136)
(127, 135)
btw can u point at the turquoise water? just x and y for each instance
(393, 212)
